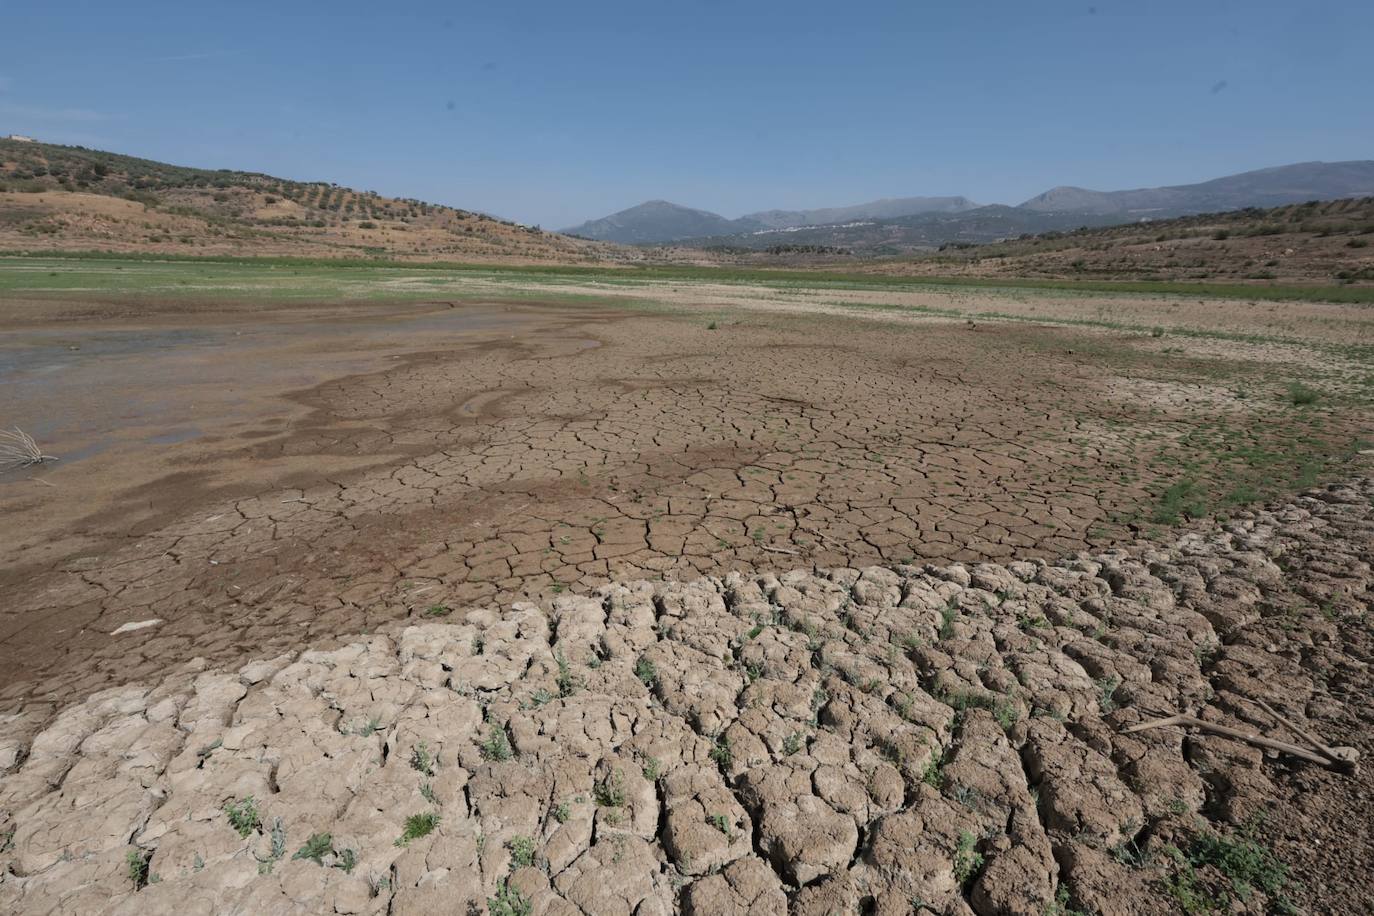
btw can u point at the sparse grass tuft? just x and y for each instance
(417, 826)
(497, 746)
(1182, 499)
(1240, 859)
(1300, 395)
(567, 682)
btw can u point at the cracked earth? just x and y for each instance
(942, 738)
(504, 467)
(513, 508)
(589, 447)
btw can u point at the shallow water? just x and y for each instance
(80, 391)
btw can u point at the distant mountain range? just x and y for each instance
(658, 221)
(907, 223)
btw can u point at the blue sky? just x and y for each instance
(552, 113)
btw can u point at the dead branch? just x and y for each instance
(791, 553)
(1333, 754)
(1341, 758)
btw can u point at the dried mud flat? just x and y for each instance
(939, 738)
(511, 507)
(570, 447)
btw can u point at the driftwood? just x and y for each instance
(1335, 758)
(1336, 755)
(18, 450)
(790, 553)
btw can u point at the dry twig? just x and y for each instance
(790, 553)
(1336, 758)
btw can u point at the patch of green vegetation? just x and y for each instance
(362, 277)
(720, 822)
(136, 868)
(437, 610)
(316, 848)
(646, 671)
(1242, 863)
(948, 614)
(497, 746)
(1106, 693)
(567, 681)
(722, 753)
(967, 859)
(277, 848)
(522, 851)
(509, 902)
(1301, 395)
(610, 792)
(1181, 500)
(243, 815)
(934, 773)
(421, 760)
(1062, 905)
(1003, 707)
(417, 826)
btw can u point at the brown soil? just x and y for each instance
(253, 476)
(944, 739)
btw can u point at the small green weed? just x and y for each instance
(316, 848)
(610, 792)
(136, 868)
(497, 746)
(509, 902)
(243, 815)
(417, 826)
(522, 851)
(421, 760)
(967, 859)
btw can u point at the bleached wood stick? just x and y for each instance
(1343, 758)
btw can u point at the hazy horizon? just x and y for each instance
(553, 115)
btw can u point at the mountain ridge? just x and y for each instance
(925, 221)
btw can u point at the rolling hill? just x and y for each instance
(66, 198)
(1318, 242)
(1272, 187)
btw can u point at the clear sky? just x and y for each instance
(555, 112)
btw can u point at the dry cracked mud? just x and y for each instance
(943, 737)
(561, 448)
